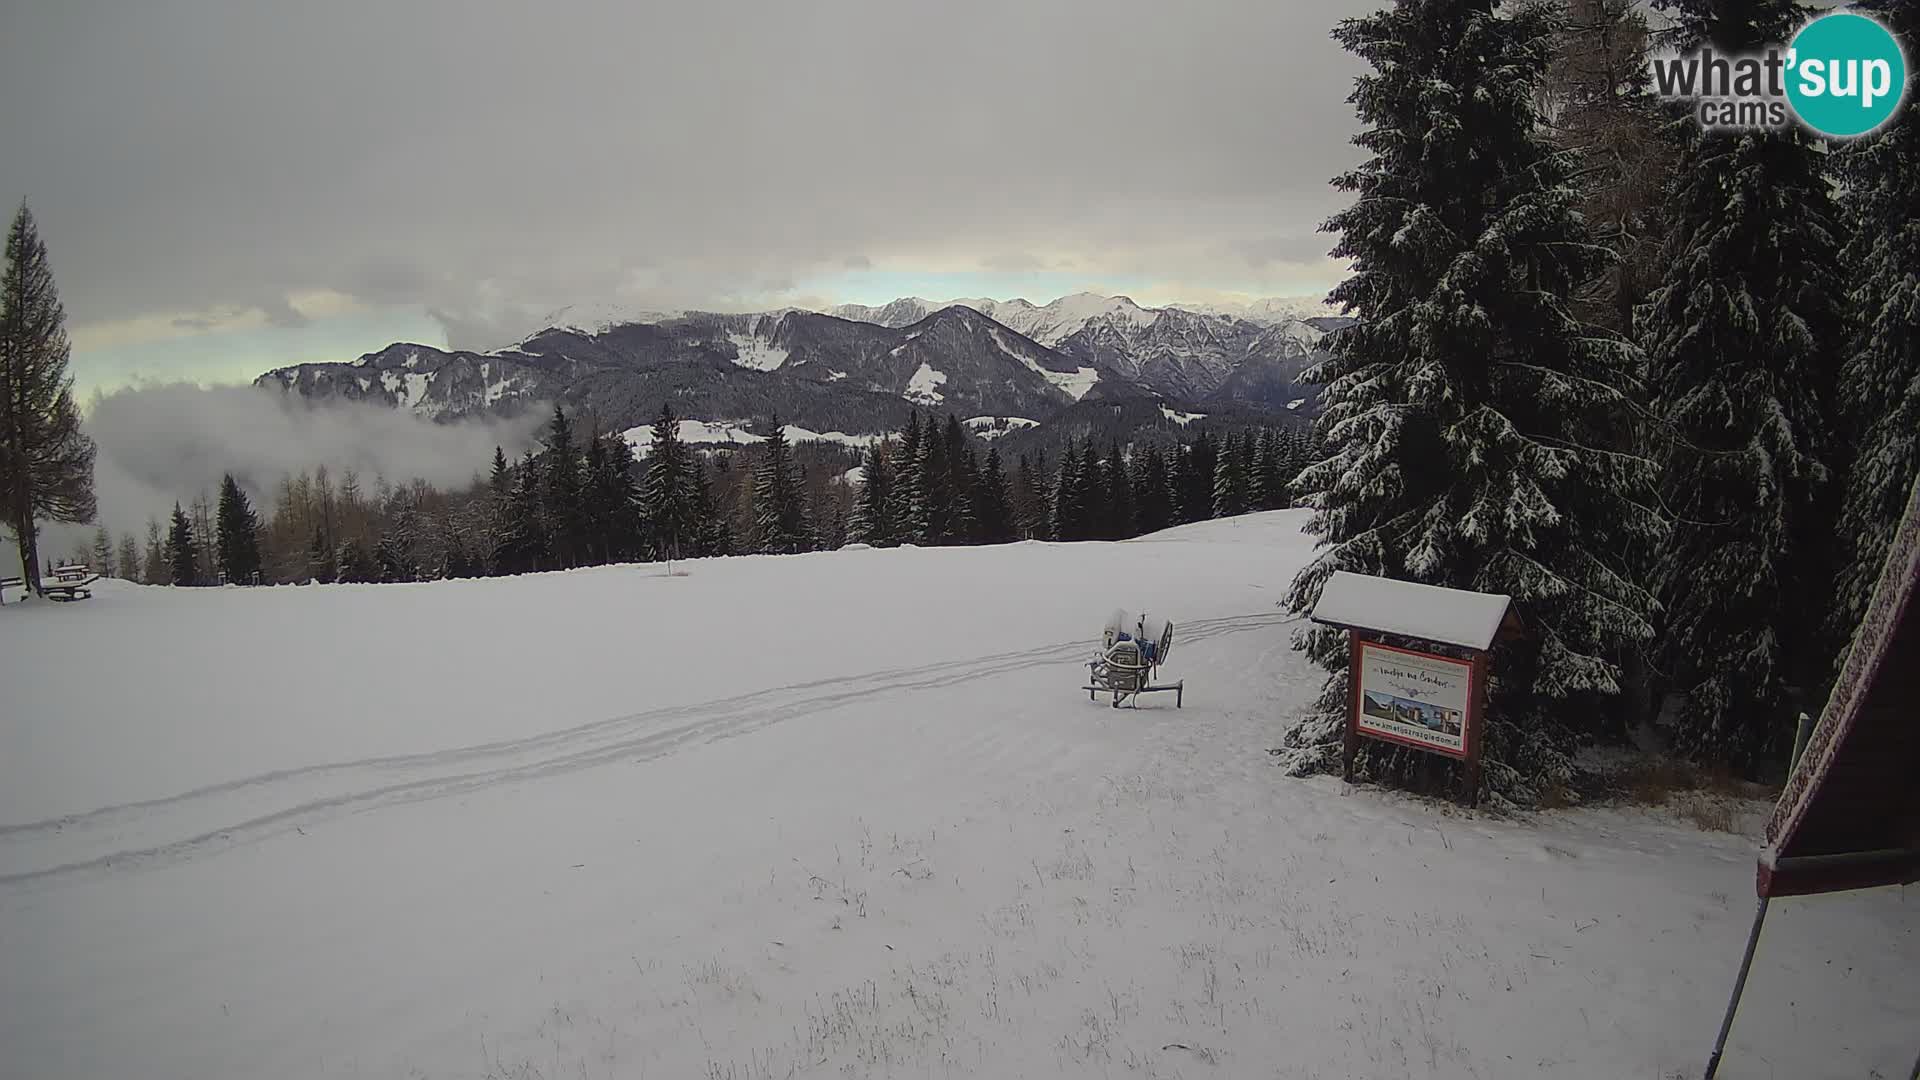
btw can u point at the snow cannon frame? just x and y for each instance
(1131, 653)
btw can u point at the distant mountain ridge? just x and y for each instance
(854, 368)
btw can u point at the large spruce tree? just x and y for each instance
(908, 508)
(780, 523)
(1880, 381)
(873, 508)
(563, 502)
(1230, 474)
(668, 495)
(1152, 501)
(1464, 409)
(46, 461)
(1743, 340)
(993, 502)
(182, 553)
(237, 532)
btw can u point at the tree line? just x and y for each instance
(928, 485)
(588, 500)
(1656, 383)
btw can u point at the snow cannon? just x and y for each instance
(1131, 652)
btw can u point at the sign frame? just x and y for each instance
(1471, 735)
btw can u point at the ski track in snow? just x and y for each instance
(42, 850)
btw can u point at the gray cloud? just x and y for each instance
(486, 160)
(159, 444)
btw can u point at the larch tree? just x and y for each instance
(1466, 410)
(46, 460)
(154, 569)
(129, 558)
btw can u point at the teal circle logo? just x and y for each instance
(1846, 74)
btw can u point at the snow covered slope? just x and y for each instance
(838, 815)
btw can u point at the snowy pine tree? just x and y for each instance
(1119, 506)
(238, 534)
(668, 496)
(1032, 511)
(1461, 409)
(1880, 381)
(182, 554)
(908, 508)
(873, 508)
(958, 525)
(1152, 498)
(1743, 340)
(563, 502)
(1230, 477)
(780, 524)
(993, 503)
(1069, 510)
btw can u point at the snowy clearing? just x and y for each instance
(840, 814)
(924, 387)
(736, 433)
(751, 351)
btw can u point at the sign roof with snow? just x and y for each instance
(1469, 620)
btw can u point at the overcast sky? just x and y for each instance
(225, 187)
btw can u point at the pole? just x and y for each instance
(1803, 728)
(1739, 984)
(1801, 731)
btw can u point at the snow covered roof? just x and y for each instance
(1850, 815)
(1429, 612)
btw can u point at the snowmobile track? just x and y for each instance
(201, 821)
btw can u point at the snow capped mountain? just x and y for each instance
(858, 369)
(1272, 311)
(1048, 325)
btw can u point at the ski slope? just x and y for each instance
(841, 814)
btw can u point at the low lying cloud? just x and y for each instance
(164, 443)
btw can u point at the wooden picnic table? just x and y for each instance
(64, 587)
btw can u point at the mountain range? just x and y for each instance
(861, 369)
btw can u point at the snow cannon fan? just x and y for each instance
(1131, 652)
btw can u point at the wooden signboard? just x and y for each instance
(1430, 698)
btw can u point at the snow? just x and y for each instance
(835, 376)
(1296, 403)
(924, 386)
(409, 388)
(1452, 616)
(1074, 384)
(755, 353)
(993, 427)
(664, 835)
(1181, 418)
(735, 433)
(855, 476)
(591, 319)
(1271, 311)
